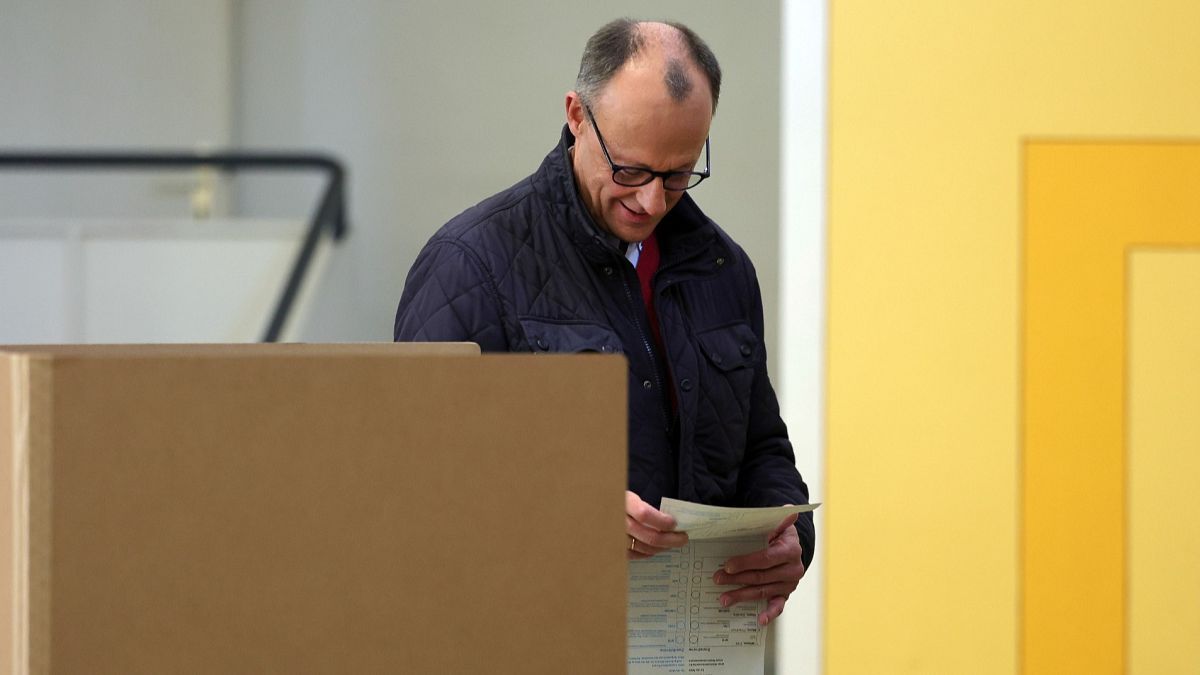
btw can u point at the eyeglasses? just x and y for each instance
(634, 176)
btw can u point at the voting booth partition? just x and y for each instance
(310, 508)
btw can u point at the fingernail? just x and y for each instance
(724, 601)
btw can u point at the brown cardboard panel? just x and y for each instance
(335, 513)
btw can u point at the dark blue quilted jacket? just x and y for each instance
(525, 271)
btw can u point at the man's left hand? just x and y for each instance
(770, 574)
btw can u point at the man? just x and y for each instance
(602, 250)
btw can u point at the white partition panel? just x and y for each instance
(33, 290)
(146, 281)
(802, 304)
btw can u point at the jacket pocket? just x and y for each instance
(730, 348)
(731, 356)
(572, 337)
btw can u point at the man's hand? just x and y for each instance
(649, 529)
(770, 574)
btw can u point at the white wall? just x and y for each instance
(115, 74)
(89, 256)
(433, 105)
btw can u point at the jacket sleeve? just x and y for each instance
(768, 475)
(450, 297)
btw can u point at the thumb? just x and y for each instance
(787, 522)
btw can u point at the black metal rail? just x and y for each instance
(329, 216)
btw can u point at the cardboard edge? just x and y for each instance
(14, 514)
(10, 394)
(24, 481)
(249, 350)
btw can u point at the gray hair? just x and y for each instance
(620, 40)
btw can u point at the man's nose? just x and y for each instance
(652, 197)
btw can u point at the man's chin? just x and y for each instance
(634, 235)
(632, 231)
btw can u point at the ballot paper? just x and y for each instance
(675, 622)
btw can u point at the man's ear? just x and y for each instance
(575, 115)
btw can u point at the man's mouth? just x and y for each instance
(636, 216)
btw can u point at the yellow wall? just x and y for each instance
(929, 105)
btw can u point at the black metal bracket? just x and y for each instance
(329, 216)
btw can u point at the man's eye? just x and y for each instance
(679, 181)
(631, 175)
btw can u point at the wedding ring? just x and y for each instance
(632, 541)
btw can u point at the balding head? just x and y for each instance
(673, 48)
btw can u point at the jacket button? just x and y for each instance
(720, 261)
(647, 385)
(608, 271)
(685, 384)
(607, 349)
(746, 350)
(541, 344)
(716, 358)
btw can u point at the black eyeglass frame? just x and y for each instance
(650, 174)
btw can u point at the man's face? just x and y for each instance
(642, 127)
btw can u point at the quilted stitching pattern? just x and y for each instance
(528, 254)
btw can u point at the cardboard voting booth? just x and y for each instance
(310, 509)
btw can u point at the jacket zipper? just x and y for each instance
(662, 393)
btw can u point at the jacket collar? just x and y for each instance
(684, 233)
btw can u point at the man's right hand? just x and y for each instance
(649, 530)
